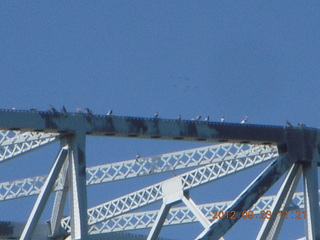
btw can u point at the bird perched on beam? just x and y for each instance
(137, 157)
(198, 118)
(288, 124)
(245, 120)
(207, 119)
(179, 117)
(109, 113)
(156, 115)
(222, 119)
(63, 109)
(88, 111)
(52, 109)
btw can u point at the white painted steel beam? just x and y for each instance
(158, 223)
(248, 197)
(297, 144)
(43, 196)
(59, 202)
(183, 215)
(196, 211)
(311, 186)
(145, 166)
(147, 127)
(77, 184)
(191, 179)
(172, 191)
(271, 227)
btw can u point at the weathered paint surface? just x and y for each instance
(6, 229)
(156, 128)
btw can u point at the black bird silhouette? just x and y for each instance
(288, 124)
(52, 109)
(88, 111)
(64, 110)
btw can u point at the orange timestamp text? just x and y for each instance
(258, 215)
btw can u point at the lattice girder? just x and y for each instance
(14, 143)
(191, 179)
(182, 215)
(166, 162)
(144, 166)
(299, 145)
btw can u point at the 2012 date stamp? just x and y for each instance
(258, 215)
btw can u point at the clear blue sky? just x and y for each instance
(255, 58)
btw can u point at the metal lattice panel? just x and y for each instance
(14, 143)
(180, 215)
(298, 156)
(143, 166)
(164, 162)
(191, 179)
(21, 188)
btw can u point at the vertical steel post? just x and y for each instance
(78, 190)
(311, 197)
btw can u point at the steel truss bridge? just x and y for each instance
(293, 152)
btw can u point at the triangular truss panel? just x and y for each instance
(291, 154)
(15, 143)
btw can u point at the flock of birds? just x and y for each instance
(64, 110)
(156, 115)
